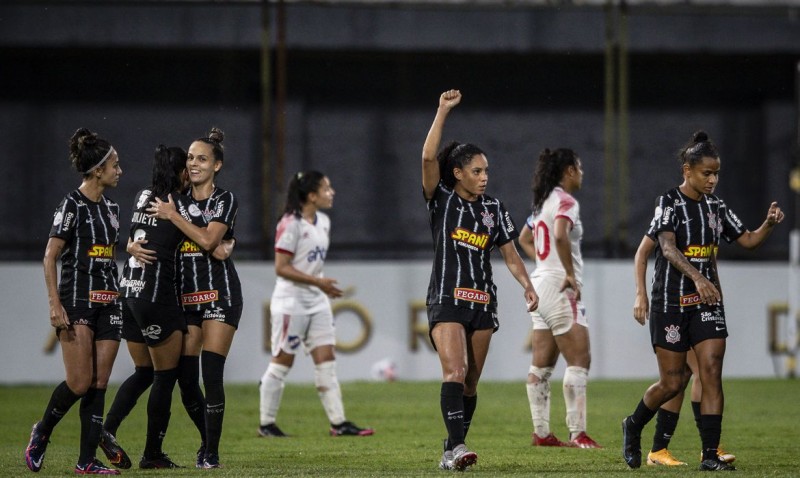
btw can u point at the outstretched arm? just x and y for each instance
(641, 304)
(517, 269)
(430, 167)
(751, 240)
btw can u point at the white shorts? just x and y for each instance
(312, 331)
(557, 310)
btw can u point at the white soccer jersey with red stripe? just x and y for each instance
(307, 243)
(558, 204)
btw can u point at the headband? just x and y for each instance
(105, 158)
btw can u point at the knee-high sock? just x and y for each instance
(191, 395)
(470, 404)
(666, 422)
(710, 431)
(213, 372)
(271, 391)
(539, 400)
(158, 410)
(61, 400)
(92, 405)
(575, 379)
(640, 417)
(128, 394)
(329, 392)
(452, 404)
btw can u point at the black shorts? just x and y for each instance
(680, 330)
(130, 329)
(156, 321)
(227, 315)
(105, 322)
(472, 320)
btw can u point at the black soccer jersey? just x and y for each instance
(157, 282)
(464, 232)
(698, 227)
(207, 282)
(88, 267)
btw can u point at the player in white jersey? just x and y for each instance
(300, 306)
(552, 237)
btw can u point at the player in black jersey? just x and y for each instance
(462, 301)
(687, 310)
(83, 306)
(668, 414)
(211, 292)
(169, 171)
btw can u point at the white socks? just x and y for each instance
(329, 392)
(575, 379)
(271, 389)
(539, 400)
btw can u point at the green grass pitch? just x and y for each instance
(761, 426)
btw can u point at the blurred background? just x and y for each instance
(350, 88)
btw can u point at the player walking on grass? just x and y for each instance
(211, 291)
(552, 237)
(687, 309)
(84, 309)
(300, 308)
(462, 298)
(667, 416)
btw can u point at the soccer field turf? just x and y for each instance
(762, 418)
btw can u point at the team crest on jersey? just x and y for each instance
(673, 334)
(114, 220)
(194, 211)
(488, 219)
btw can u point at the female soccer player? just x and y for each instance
(667, 415)
(462, 300)
(300, 309)
(552, 237)
(83, 306)
(152, 297)
(211, 292)
(687, 310)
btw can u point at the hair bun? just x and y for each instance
(81, 140)
(700, 137)
(216, 135)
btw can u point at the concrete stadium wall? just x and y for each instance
(390, 296)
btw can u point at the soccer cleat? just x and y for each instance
(201, 455)
(34, 454)
(723, 456)
(95, 467)
(211, 461)
(715, 464)
(631, 445)
(115, 454)
(463, 458)
(549, 440)
(446, 463)
(350, 429)
(582, 440)
(156, 462)
(663, 457)
(271, 430)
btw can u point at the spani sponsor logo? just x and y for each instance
(471, 295)
(101, 251)
(700, 252)
(467, 237)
